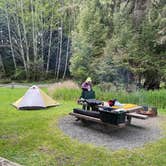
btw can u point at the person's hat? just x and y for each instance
(88, 79)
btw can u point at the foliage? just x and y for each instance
(89, 40)
(118, 41)
(131, 46)
(137, 48)
(31, 30)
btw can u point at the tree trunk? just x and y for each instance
(1, 64)
(36, 29)
(20, 41)
(33, 32)
(139, 11)
(10, 39)
(34, 37)
(49, 49)
(60, 50)
(25, 37)
(67, 53)
(67, 58)
(57, 56)
(42, 41)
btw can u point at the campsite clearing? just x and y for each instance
(34, 138)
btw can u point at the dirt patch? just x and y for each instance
(135, 135)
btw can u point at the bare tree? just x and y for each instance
(67, 53)
(57, 55)
(33, 31)
(2, 67)
(49, 48)
(17, 23)
(60, 49)
(25, 35)
(42, 38)
(10, 38)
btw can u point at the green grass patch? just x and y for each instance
(148, 98)
(32, 138)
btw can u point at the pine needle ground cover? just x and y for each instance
(32, 138)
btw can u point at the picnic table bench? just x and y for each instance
(97, 120)
(135, 115)
(132, 113)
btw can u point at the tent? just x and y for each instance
(34, 98)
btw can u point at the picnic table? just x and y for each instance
(98, 105)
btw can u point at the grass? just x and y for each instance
(149, 98)
(32, 138)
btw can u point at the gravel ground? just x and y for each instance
(135, 135)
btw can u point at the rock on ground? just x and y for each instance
(5, 162)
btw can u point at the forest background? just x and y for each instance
(117, 41)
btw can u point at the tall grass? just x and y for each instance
(66, 94)
(149, 98)
(65, 85)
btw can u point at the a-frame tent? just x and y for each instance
(35, 98)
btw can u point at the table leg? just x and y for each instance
(128, 119)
